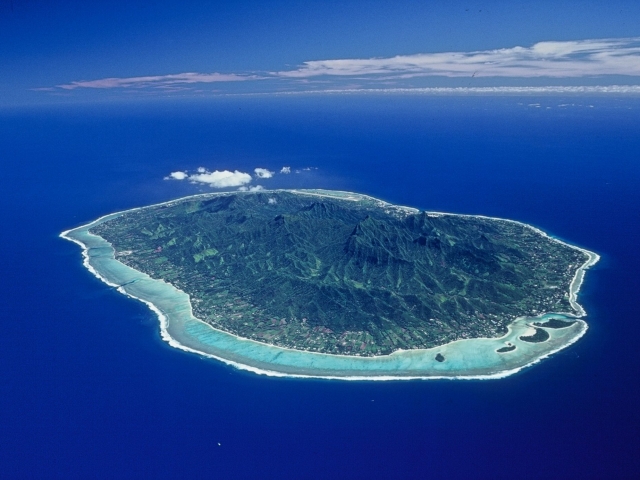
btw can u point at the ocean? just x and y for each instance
(89, 390)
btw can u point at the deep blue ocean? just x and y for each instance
(89, 390)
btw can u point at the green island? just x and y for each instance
(554, 323)
(540, 335)
(507, 348)
(346, 275)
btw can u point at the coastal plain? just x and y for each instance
(332, 284)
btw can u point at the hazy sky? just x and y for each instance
(80, 51)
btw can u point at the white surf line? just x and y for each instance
(166, 336)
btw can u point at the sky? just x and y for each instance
(78, 51)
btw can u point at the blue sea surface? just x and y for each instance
(89, 390)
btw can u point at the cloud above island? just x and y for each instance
(221, 179)
(575, 59)
(215, 179)
(225, 178)
(177, 176)
(263, 173)
(253, 188)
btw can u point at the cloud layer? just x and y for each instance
(596, 89)
(158, 81)
(544, 59)
(567, 59)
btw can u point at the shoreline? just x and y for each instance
(165, 322)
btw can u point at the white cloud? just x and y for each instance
(158, 80)
(285, 170)
(550, 59)
(256, 188)
(221, 179)
(577, 90)
(176, 176)
(544, 59)
(215, 179)
(263, 173)
(305, 169)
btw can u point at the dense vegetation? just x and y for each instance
(343, 276)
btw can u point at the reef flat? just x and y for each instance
(342, 285)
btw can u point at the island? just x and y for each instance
(537, 336)
(554, 323)
(506, 348)
(342, 285)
